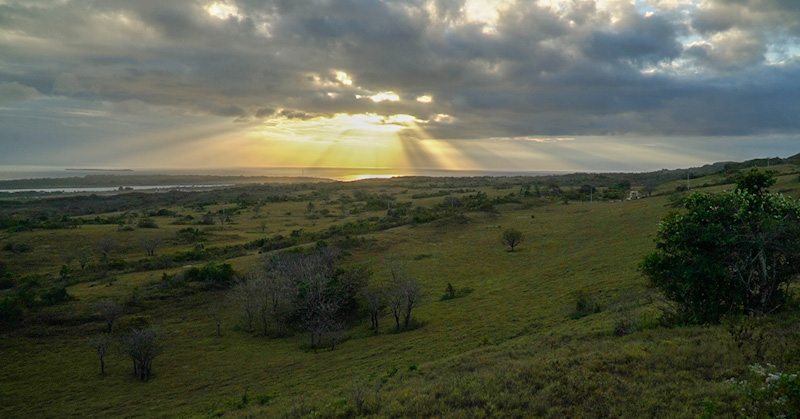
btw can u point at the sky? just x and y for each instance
(442, 84)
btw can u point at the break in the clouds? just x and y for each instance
(136, 82)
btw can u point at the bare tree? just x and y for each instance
(142, 346)
(105, 246)
(320, 309)
(245, 292)
(411, 290)
(101, 344)
(320, 305)
(512, 238)
(402, 295)
(374, 301)
(150, 245)
(110, 312)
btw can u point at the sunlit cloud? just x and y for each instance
(343, 78)
(440, 83)
(384, 97)
(443, 118)
(223, 10)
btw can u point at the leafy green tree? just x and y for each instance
(728, 253)
(755, 181)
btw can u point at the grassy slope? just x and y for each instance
(508, 346)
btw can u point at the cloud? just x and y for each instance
(522, 70)
(14, 92)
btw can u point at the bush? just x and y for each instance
(17, 247)
(10, 311)
(118, 264)
(770, 393)
(585, 304)
(147, 223)
(727, 253)
(624, 326)
(215, 275)
(451, 292)
(55, 296)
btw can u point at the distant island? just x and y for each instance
(97, 170)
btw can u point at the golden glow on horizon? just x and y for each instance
(349, 140)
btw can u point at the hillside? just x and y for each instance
(510, 346)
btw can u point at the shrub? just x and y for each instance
(147, 222)
(216, 275)
(770, 393)
(17, 247)
(450, 292)
(727, 253)
(10, 311)
(55, 296)
(624, 326)
(585, 304)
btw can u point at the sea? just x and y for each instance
(8, 172)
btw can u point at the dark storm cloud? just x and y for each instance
(579, 69)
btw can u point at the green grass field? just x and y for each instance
(511, 347)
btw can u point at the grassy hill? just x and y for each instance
(513, 346)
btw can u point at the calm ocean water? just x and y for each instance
(35, 172)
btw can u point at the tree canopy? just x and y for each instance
(728, 253)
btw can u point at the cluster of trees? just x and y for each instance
(26, 294)
(308, 291)
(300, 291)
(141, 345)
(728, 253)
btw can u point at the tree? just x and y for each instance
(402, 295)
(105, 246)
(222, 216)
(150, 245)
(142, 346)
(728, 253)
(110, 312)
(101, 344)
(512, 238)
(412, 291)
(246, 294)
(373, 297)
(755, 181)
